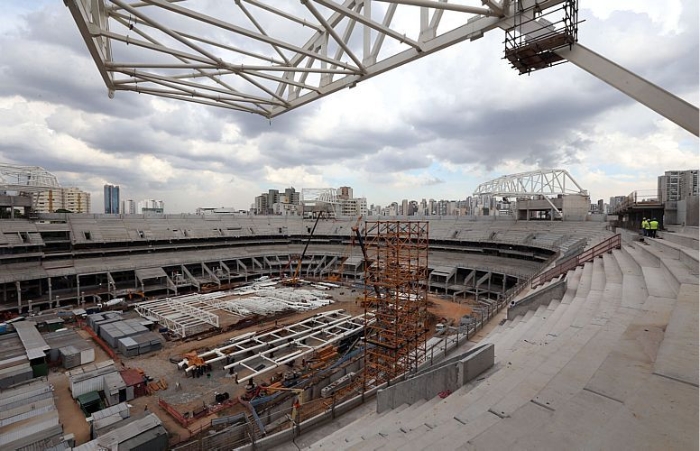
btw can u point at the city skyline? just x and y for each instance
(435, 128)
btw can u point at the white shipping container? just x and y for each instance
(87, 385)
(87, 356)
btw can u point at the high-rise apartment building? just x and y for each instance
(72, 199)
(353, 207)
(678, 191)
(150, 206)
(128, 207)
(111, 198)
(678, 185)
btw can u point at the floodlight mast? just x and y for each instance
(272, 57)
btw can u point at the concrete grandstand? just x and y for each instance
(611, 363)
(75, 258)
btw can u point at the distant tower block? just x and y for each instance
(396, 298)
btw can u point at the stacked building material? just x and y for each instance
(97, 320)
(29, 418)
(113, 332)
(69, 347)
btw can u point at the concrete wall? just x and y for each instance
(575, 207)
(449, 376)
(691, 211)
(478, 361)
(425, 386)
(544, 296)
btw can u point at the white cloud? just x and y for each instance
(434, 128)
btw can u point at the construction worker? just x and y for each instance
(645, 227)
(653, 227)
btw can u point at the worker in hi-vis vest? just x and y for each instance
(653, 227)
(645, 227)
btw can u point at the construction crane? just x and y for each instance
(294, 280)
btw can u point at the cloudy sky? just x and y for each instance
(434, 128)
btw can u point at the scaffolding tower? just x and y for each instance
(395, 298)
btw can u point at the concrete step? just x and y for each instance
(675, 271)
(677, 358)
(537, 319)
(686, 240)
(627, 264)
(677, 274)
(386, 420)
(526, 384)
(634, 286)
(505, 343)
(506, 333)
(554, 303)
(588, 309)
(535, 428)
(630, 361)
(357, 430)
(372, 442)
(612, 268)
(572, 280)
(598, 276)
(401, 438)
(576, 374)
(584, 284)
(451, 434)
(688, 255)
(639, 252)
(568, 316)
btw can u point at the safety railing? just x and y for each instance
(614, 242)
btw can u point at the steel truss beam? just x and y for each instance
(266, 57)
(285, 344)
(178, 316)
(26, 178)
(545, 182)
(259, 57)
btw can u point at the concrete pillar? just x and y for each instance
(19, 295)
(77, 289)
(50, 290)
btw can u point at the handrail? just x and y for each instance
(614, 242)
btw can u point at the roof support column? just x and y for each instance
(19, 296)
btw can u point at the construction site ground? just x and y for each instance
(187, 394)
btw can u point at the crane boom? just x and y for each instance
(294, 281)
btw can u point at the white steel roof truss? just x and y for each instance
(347, 44)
